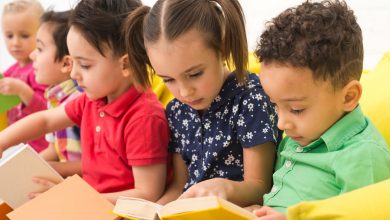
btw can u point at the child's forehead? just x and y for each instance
(20, 22)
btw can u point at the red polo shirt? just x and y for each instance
(130, 131)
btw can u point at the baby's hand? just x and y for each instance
(267, 213)
(212, 187)
(45, 183)
(11, 86)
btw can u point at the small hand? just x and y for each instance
(267, 213)
(253, 207)
(11, 86)
(213, 187)
(45, 183)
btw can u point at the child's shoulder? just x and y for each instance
(15, 70)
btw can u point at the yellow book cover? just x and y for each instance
(210, 208)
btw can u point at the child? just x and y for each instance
(20, 24)
(124, 132)
(222, 124)
(52, 65)
(312, 58)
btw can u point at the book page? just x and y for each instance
(130, 208)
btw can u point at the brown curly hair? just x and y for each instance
(323, 36)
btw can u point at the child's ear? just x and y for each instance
(67, 64)
(352, 93)
(124, 62)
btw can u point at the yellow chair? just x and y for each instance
(375, 100)
(254, 65)
(162, 92)
(370, 202)
(3, 120)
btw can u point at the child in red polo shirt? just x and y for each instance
(124, 131)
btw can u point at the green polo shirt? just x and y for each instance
(349, 155)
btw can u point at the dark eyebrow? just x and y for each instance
(41, 42)
(186, 71)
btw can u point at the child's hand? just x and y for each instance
(253, 207)
(11, 86)
(45, 183)
(267, 213)
(212, 187)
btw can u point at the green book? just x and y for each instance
(8, 101)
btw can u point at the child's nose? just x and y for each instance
(73, 74)
(283, 122)
(186, 91)
(33, 55)
(15, 41)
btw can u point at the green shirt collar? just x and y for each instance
(348, 126)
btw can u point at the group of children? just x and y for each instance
(222, 133)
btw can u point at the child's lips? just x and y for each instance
(194, 102)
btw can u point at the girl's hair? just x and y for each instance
(221, 22)
(17, 6)
(59, 23)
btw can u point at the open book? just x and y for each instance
(16, 172)
(190, 209)
(8, 101)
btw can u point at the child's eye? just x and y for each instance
(197, 74)
(297, 111)
(9, 36)
(167, 80)
(25, 36)
(86, 67)
(39, 49)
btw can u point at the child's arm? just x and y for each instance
(258, 169)
(149, 183)
(49, 154)
(68, 168)
(65, 169)
(180, 176)
(33, 126)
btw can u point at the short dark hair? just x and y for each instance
(59, 22)
(100, 22)
(323, 36)
(221, 22)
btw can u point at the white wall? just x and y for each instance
(373, 16)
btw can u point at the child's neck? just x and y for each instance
(23, 63)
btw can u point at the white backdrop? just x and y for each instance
(373, 17)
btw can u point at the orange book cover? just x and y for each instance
(71, 199)
(4, 210)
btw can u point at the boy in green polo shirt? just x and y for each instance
(312, 58)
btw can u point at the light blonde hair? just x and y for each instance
(16, 6)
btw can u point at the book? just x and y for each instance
(210, 208)
(72, 199)
(4, 210)
(8, 101)
(16, 172)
